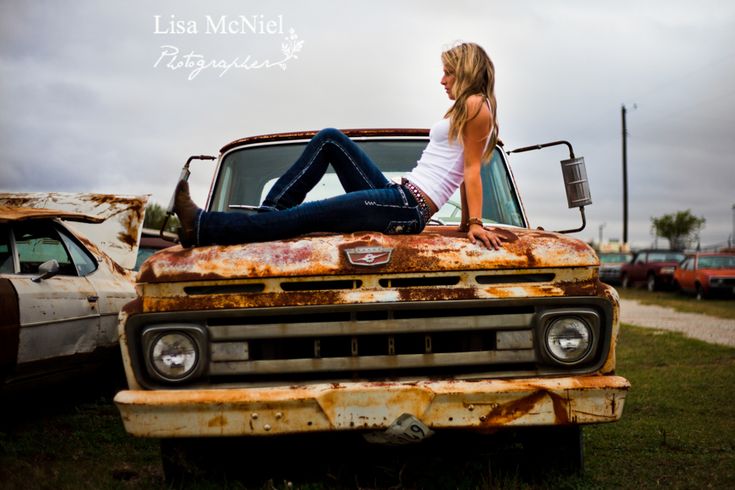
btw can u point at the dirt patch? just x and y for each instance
(695, 325)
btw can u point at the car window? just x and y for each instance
(686, 265)
(6, 255)
(38, 242)
(82, 260)
(717, 262)
(612, 257)
(665, 257)
(641, 259)
(247, 175)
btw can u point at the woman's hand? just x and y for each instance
(487, 237)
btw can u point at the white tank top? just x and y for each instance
(440, 170)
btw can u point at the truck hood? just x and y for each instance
(435, 249)
(112, 222)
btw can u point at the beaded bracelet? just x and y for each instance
(475, 221)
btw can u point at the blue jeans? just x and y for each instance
(371, 202)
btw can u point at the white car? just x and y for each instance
(65, 272)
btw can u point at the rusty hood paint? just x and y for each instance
(436, 249)
(112, 222)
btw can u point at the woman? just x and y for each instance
(458, 144)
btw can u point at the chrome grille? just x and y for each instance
(460, 339)
(397, 341)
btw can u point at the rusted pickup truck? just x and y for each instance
(394, 337)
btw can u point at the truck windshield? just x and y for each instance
(246, 175)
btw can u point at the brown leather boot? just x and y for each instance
(186, 211)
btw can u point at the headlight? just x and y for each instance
(173, 352)
(174, 355)
(568, 339)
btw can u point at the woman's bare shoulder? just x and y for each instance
(475, 101)
(476, 106)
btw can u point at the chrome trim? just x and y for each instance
(405, 361)
(220, 333)
(372, 257)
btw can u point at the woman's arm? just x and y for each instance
(464, 224)
(473, 138)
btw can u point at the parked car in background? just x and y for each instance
(150, 243)
(61, 290)
(611, 265)
(655, 268)
(706, 274)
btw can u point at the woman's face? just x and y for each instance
(448, 82)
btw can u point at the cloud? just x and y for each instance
(85, 110)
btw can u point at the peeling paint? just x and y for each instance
(438, 265)
(435, 249)
(113, 222)
(359, 405)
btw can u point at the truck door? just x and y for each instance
(638, 272)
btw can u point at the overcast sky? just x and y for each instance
(88, 103)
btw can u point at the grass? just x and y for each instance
(677, 430)
(722, 308)
(70, 436)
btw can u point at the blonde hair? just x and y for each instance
(474, 74)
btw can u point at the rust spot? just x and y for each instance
(435, 249)
(515, 409)
(298, 135)
(561, 408)
(131, 223)
(436, 294)
(116, 268)
(133, 307)
(13, 213)
(218, 421)
(224, 301)
(612, 404)
(580, 288)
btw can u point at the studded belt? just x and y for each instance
(424, 207)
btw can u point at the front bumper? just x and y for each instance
(721, 285)
(450, 404)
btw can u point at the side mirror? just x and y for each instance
(46, 270)
(576, 183)
(575, 180)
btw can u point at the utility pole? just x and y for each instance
(625, 178)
